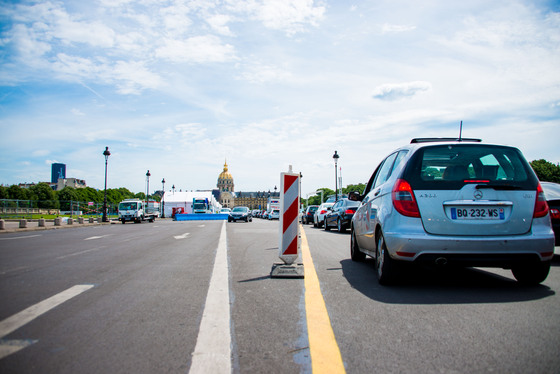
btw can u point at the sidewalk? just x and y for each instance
(33, 225)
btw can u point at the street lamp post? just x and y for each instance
(147, 188)
(335, 158)
(106, 153)
(163, 201)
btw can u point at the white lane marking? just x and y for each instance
(95, 237)
(212, 353)
(20, 237)
(80, 253)
(201, 225)
(7, 347)
(14, 269)
(181, 236)
(22, 318)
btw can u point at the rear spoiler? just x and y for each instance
(433, 140)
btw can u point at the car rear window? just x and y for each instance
(452, 166)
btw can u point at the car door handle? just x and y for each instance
(376, 192)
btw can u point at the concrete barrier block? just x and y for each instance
(70, 221)
(2, 224)
(90, 219)
(81, 220)
(22, 223)
(58, 221)
(42, 222)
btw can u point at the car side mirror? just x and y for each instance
(354, 196)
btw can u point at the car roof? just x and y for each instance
(551, 190)
(417, 143)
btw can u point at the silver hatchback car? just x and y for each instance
(449, 202)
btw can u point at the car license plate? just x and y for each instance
(478, 213)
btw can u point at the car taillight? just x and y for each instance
(403, 199)
(323, 212)
(349, 211)
(541, 207)
(555, 213)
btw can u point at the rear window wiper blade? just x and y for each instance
(504, 187)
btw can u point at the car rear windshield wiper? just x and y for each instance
(507, 187)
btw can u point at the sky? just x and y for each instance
(179, 87)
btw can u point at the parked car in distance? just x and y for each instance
(225, 211)
(319, 215)
(307, 216)
(240, 213)
(449, 202)
(340, 215)
(274, 214)
(552, 194)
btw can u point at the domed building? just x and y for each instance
(226, 188)
(229, 198)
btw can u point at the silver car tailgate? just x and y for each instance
(472, 211)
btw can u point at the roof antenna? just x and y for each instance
(461, 131)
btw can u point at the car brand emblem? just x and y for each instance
(478, 194)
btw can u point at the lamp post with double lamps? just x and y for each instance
(106, 153)
(163, 201)
(335, 158)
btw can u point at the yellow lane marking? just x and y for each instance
(325, 354)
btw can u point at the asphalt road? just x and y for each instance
(142, 293)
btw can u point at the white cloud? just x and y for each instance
(198, 49)
(389, 28)
(260, 73)
(133, 77)
(397, 91)
(219, 23)
(291, 16)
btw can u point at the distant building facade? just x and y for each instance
(68, 182)
(229, 198)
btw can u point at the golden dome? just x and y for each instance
(225, 174)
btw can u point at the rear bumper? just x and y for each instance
(502, 251)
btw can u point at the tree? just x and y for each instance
(45, 196)
(15, 192)
(4, 193)
(359, 188)
(546, 171)
(89, 194)
(66, 196)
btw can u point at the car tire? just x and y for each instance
(339, 226)
(531, 274)
(385, 266)
(327, 228)
(355, 253)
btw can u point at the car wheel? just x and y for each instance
(384, 264)
(314, 223)
(327, 228)
(339, 225)
(355, 253)
(531, 274)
